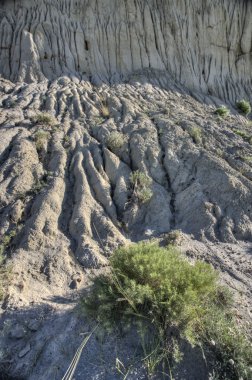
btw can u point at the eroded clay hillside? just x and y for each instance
(205, 44)
(93, 92)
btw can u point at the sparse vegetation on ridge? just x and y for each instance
(141, 186)
(222, 111)
(41, 137)
(244, 106)
(4, 277)
(5, 243)
(45, 118)
(168, 300)
(196, 134)
(115, 140)
(247, 137)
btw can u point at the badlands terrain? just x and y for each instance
(91, 92)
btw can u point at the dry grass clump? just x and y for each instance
(45, 119)
(104, 111)
(141, 184)
(116, 140)
(41, 137)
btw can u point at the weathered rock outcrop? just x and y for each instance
(206, 45)
(93, 93)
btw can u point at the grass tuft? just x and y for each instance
(45, 119)
(244, 107)
(41, 138)
(196, 134)
(5, 243)
(116, 140)
(222, 111)
(141, 184)
(247, 137)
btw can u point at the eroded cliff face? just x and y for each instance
(92, 92)
(204, 44)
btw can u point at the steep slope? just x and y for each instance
(67, 200)
(206, 45)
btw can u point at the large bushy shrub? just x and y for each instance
(158, 290)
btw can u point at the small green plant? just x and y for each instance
(5, 273)
(45, 118)
(144, 195)
(244, 106)
(168, 300)
(38, 186)
(139, 178)
(6, 241)
(66, 141)
(222, 111)
(141, 186)
(196, 134)
(115, 140)
(247, 159)
(247, 137)
(41, 137)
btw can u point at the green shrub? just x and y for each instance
(45, 118)
(244, 106)
(5, 274)
(41, 138)
(196, 134)
(115, 140)
(247, 137)
(232, 350)
(5, 243)
(144, 195)
(247, 159)
(66, 141)
(38, 185)
(141, 186)
(222, 111)
(168, 300)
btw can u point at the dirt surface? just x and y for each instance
(67, 202)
